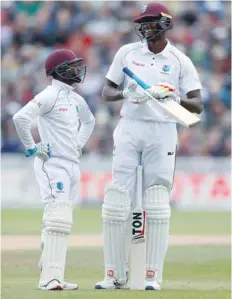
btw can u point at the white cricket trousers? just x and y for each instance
(151, 144)
(58, 179)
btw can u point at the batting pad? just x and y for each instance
(115, 214)
(57, 227)
(156, 204)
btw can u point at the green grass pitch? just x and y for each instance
(28, 222)
(190, 272)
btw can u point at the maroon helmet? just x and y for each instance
(64, 64)
(157, 14)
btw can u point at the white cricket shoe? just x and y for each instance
(150, 281)
(125, 286)
(107, 283)
(111, 282)
(55, 285)
(70, 286)
(152, 285)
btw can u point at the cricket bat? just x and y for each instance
(138, 246)
(175, 110)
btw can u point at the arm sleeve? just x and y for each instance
(87, 122)
(115, 73)
(23, 118)
(189, 79)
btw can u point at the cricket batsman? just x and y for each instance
(60, 111)
(146, 138)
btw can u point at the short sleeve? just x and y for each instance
(189, 79)
(115, 73)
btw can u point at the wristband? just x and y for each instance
(30, 152)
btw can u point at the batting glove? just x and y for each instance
(41, 150)
(134, 93)
(164, 90)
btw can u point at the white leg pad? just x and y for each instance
(156, 205)
(115, 214)
(57, 228)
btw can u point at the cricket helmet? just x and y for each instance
(66, 65)
(154, 13)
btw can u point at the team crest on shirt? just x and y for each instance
(143, 9)
(60, 187)
(166, 68)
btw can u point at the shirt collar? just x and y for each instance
(63, 85)
(163, 53)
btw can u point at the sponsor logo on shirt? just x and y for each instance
(137, 63)
(63, 109)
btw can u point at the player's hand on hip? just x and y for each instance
(134, 93)
(41, 150)
(164, 90)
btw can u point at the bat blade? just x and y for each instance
(138, 250)
(175, 110)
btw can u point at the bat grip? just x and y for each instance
(134, 77)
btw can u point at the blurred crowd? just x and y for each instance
(95, 31)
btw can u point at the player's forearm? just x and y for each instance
(85, 132)
(193, 105)
(111, 94)
(23, 128)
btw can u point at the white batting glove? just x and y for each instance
(164, 90)
(41, 150)
(134, 93)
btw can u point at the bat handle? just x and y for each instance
(140, 82)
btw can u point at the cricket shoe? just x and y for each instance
(111, 282)
(150, 282)
(55, 285)
(152, 286)
(69, 286)
(125, 285)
